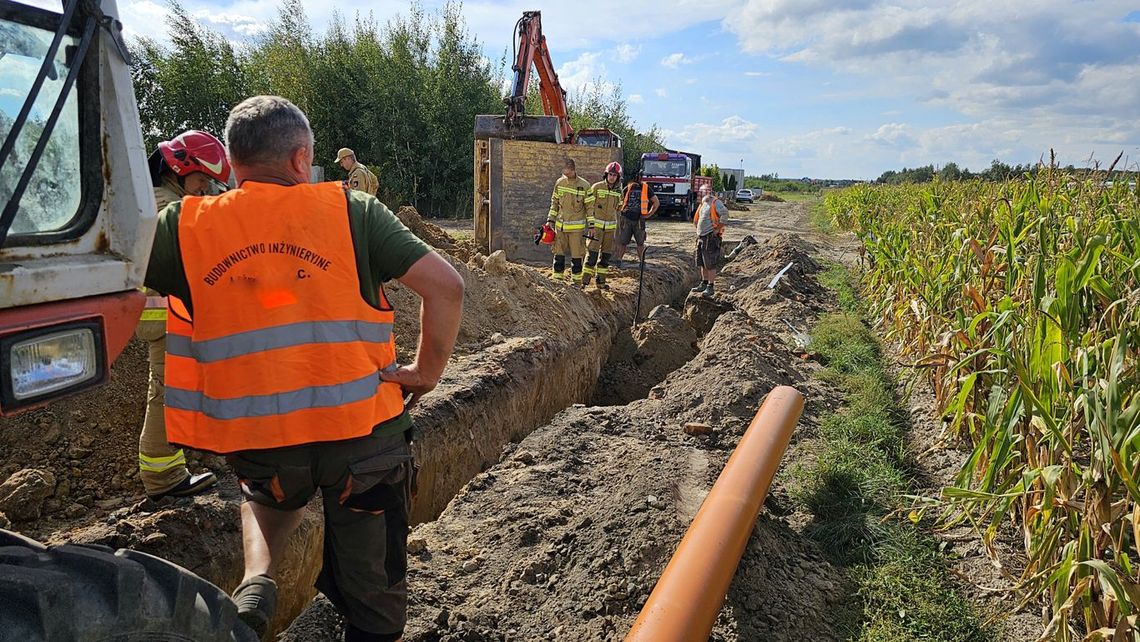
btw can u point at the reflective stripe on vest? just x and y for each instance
(282, 349)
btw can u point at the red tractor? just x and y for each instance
(77, 220)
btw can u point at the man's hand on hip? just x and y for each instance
(413, 381)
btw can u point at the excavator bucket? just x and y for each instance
(537, 128)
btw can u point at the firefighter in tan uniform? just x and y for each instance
(568, 218)
(360, 178)
(179, 167)
(604, 202)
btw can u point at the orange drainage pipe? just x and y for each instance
(685, 603)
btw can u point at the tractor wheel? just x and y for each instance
(92, 593)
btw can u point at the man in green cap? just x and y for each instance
(359, 176)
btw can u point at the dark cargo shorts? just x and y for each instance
(709, 254)
(629, 230)
(366, 485)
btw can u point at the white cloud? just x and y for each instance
(626, 53)
(758, 74)
(1058, 74)
(661, 93)
(891, 134)
(636, 99)
(675, 60)
(566, 29)
(734, 131)
(582, 72)
(241, 25)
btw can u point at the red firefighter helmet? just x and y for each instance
(614, 167)
(547, 234)
(196, 151)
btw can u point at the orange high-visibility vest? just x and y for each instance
(644, 199)
(283, 350)
(717, 227)
(181, 371)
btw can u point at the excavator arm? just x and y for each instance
(530, 52)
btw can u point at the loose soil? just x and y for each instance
(519, 326)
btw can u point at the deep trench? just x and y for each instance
(500, 396)
(517, 386)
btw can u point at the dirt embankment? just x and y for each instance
(564, 538)
(528, 347)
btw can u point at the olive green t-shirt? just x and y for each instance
(385, 250)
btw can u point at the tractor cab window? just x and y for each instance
(43, 162)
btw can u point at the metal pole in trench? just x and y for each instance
(640, 282)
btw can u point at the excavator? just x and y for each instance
(531, 51)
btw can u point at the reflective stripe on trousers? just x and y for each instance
(159, 464)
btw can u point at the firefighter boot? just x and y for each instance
(588, 270)
(603, 270)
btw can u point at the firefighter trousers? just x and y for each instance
(161, 466)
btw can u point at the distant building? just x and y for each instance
(738, 173)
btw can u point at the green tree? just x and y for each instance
(192, 84)
(950, 172)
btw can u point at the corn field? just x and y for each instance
(1020, 301)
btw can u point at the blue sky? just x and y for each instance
(823, 88)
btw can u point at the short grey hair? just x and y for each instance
(266, 130)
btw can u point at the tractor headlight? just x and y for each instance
(51, 361)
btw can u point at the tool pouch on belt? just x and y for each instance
(382, 485)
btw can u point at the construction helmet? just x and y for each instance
(196, 151)
(614, 167)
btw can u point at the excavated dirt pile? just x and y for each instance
(528, 347)
(564, 538)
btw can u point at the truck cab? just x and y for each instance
(597, 138)
(78, 211)
(670, 176)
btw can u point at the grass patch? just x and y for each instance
(855, 487)
(840, 280)
(798, 197)
(845, 344)
(820, 219)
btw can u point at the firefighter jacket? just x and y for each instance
(283, 350)
(361, 179)
(151, 324)
(604, 205)
(568, 204)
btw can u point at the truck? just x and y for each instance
(77, 218)
(674, 177)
